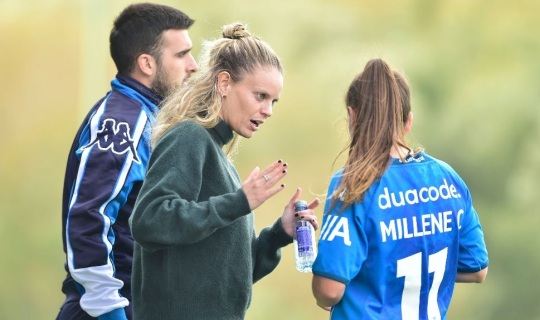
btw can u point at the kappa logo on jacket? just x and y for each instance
(115, 137)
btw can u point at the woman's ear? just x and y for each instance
(408, 124)
(223, 82)
(352, 116)
(351, 112)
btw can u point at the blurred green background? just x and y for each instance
(473, 67)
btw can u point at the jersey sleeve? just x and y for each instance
(342, 245)
(473, 255)
(111, 151)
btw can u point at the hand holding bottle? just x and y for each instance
(289, 216)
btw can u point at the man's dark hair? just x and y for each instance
(139, 29)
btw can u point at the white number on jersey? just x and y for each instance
(411, 268)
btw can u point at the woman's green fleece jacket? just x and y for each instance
(196, 252)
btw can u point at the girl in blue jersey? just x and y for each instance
(399, 227)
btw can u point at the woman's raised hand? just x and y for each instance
(262, 185)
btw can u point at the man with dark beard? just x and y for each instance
(151, 49)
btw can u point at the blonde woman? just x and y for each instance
(196, 251)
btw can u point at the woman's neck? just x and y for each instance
(399, 152)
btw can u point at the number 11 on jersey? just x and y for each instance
(411, 268)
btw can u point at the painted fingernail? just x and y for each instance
(283, 186)
(302, 217)
(279, 161)
(296, 214)
(284, 164)
(284, 171)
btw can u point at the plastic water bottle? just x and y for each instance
(305, 249)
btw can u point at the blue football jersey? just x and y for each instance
(398, 251)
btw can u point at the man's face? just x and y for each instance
(176, 62)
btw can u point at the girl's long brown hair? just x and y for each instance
(380, 100)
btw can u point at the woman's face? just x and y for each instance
(249, 102)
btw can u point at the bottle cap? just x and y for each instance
(300, 205)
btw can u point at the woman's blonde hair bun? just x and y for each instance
(235, 30)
